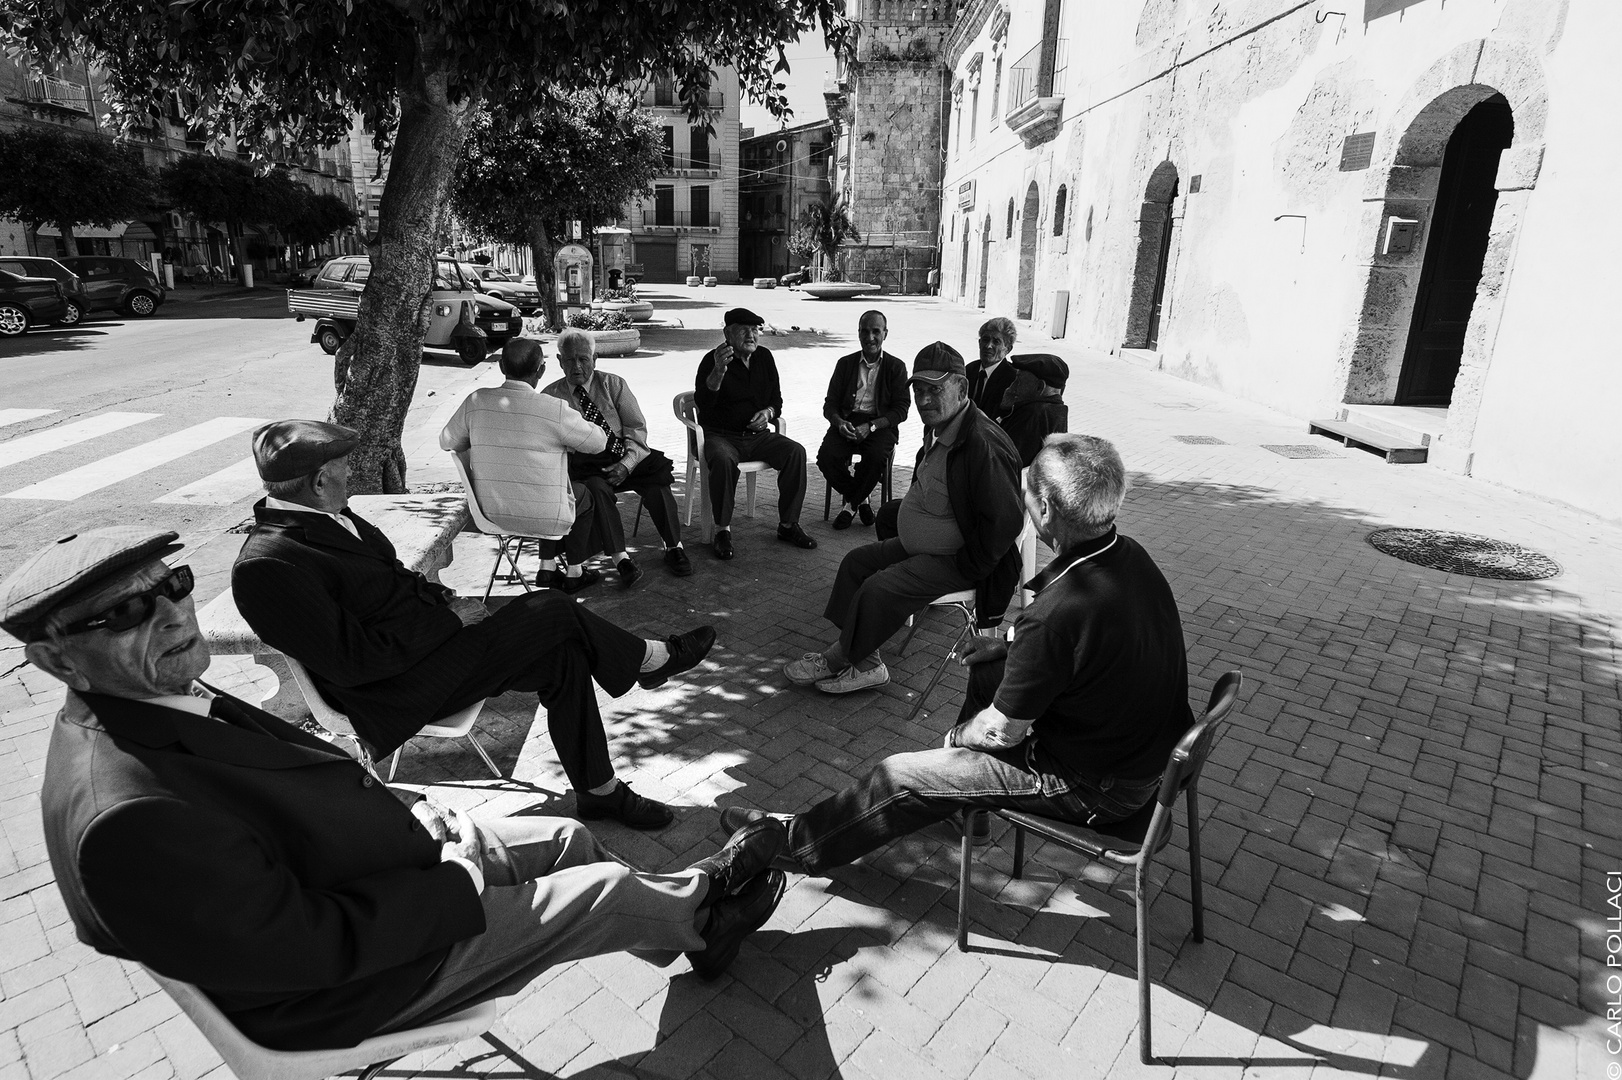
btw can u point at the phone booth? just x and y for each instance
(573, 267)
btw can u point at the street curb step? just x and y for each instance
(1396, 450)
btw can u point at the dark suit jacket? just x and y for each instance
(380, 639)
(890, 399)
(252, 859)
(990, 397)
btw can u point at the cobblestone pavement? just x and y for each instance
(1410, 818)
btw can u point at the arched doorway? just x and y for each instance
(1461, 219)
(1027, 251)
(1146, 305)
(985, 257)
(963, 267)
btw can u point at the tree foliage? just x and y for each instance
(578, 156)
(66, 178)
(823, 229)
(290, 72)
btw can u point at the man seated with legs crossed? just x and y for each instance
(866, 403)
(395, 651)
(737, 395)
(1074, 716)
(625, 464)
(958, 526)
(221, 846)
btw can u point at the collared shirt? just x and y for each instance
(867, 380)
(926, 524)
(619, 407)
(299, 508)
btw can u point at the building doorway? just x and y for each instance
(985, 257)
(963, 266)
(1145, 315)
(1460, 222)
(1027, 251)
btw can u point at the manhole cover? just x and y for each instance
(1299, 451)
(1464, 553)
(1200, 440)
(1175, 405)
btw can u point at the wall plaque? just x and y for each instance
(1356, 151)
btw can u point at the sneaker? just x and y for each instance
(791, 533)
(571, 585)
(630, 573)
(677, 563)
(723, 544)
(624, 806)
(843, 520)
(851, 679)
(810, 668)
(865, 513)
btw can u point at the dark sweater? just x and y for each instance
(744, 391)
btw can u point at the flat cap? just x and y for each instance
(742, 316)
(289, 449)
(74, 566)
(935, 362)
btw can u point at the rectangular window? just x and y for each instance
(664, 204)
(699, 141)
(700, 201)
(668, 135)
(974, 114)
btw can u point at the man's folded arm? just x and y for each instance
(896, 376)
(196, 895)
(293, 613)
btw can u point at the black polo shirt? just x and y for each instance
(744, 391)
(1098, 660)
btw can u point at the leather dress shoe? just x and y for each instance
(624, 806)
(793, 534)
(734, 818)
(843, 519)
(749, 851)
(677, 563)
(630, 573)
(686, 650)
(723, 544)
(734, 918)
(865, 513)
(571, 585)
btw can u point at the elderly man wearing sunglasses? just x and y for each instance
(213, 842)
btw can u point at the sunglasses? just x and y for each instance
(132, 611)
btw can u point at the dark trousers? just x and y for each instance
(545, 643)
(577, 544)
(724, 449)
(879, 586)
(835, 454)
(907, 792)
(656, 496)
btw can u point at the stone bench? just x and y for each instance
(422, 528)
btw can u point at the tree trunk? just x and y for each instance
(66, 229)
(376, 368)
(546, 274)
(237, 234)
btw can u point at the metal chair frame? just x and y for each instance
(1133, 842)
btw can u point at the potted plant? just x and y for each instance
(611, 332)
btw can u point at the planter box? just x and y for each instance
(635, 310)
(765, 283)
(615, 342)
(711, 282)
(694, 282)
(838, 290)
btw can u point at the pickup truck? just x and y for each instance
(335, 301)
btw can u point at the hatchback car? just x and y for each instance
(78, 304)
(493, 282)
(115, 284)
(28, 301)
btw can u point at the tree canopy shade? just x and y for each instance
(576, 156)
(66, 178)
(291, 71)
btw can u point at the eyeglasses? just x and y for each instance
(132, 611)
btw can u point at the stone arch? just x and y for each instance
(1403, 183)
(1155, 221)
(1029, 220)
(985, 258)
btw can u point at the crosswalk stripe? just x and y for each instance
(135, 460)
(43, 442)
(219, 489)
(17, 416)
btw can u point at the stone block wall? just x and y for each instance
(897, 116)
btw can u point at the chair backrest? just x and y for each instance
(687, 413)
(480, 522)
(325, 715)
(1188, 757)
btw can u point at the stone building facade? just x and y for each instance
(783, 172)
(1391, 211)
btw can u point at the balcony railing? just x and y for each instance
(684, 219)
(676, 163)
(1024, 78)
(1061, 64)
(668, 97)
(59, 92)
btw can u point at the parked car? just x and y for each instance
(493, 282)
(304, 276)
(348, 274)
(116, 284)
(78, 304)
(28, 301)
(796, 277)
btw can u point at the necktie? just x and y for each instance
(980, 381)
(589, 409)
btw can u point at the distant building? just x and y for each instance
(1394, 212)
(689, 226)
(783, 172)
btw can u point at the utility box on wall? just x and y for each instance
(1401, 235)
(1061, 314)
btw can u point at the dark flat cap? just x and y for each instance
(742, 316)
(289, 449)
(935, 362)
(73, 566)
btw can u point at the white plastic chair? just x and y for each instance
(687, 413)
(250, 1061)
(511, 544)
(458, 725)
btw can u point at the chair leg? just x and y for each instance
(963, 871)
(939, 672)
(1194, 871)
(1019, 851)
(708, 519)
(515, 553)
(500, 551)
(692, 493)
(394, 763)
(827, 502)
(750, 485)
(1140, 889)
(484, 756)
(636, 526)
(371, 1072)
(912, 628)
